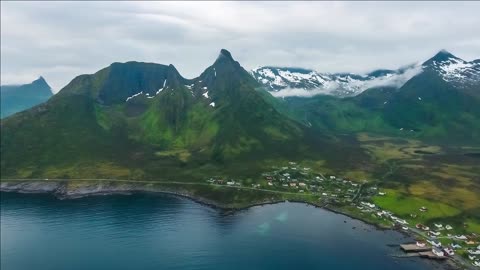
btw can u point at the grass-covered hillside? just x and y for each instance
(142, 120)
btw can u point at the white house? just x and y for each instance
(449, 251)
(434, 243)
(455, 246)
(437, 252)
(474, 252)
(420, 244)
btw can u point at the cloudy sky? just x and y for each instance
(62, 40)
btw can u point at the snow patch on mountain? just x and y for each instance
(134, 95)
(284, 82)
(163, 87)
(456, 70)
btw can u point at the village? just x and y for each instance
(296, 179)
(434, 241)
(437, 242)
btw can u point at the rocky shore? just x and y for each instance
(64, 190)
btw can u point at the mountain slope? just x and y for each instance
(441, 101)
(461, 74)
(15, 98)
(433, 104)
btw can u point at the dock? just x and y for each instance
(430, 255)
(422, 254)
(414, 248)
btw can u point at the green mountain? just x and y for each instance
(16, 98)
(143, 119)
(442, 102)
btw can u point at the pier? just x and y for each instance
(422, 254)
(414, 248)
(430, 255)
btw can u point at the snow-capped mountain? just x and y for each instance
(454, 70)
(284, 81)
(281, 81)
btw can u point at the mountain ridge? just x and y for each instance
(140, 120)
(15, 98)
(217, 117)
(286, 81)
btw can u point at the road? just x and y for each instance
(159, 182)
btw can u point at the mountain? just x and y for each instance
(459, 73)
(145, 121)
(283, 81)
(442, 102)
(142, 119)
(15, 98)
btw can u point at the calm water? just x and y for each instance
(162, 232)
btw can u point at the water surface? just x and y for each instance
(150, 231)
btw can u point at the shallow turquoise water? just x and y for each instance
(148, 231)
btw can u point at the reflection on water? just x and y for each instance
(263, 228)
(282, 217)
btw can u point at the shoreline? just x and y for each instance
(61, 191)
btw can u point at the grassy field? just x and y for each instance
(414, 173)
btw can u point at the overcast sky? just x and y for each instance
(62, 40)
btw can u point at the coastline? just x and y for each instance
(62, 191)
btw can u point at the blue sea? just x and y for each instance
(155, 231)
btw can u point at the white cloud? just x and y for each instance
(300, 92)
(326, 36)
(394, 80)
